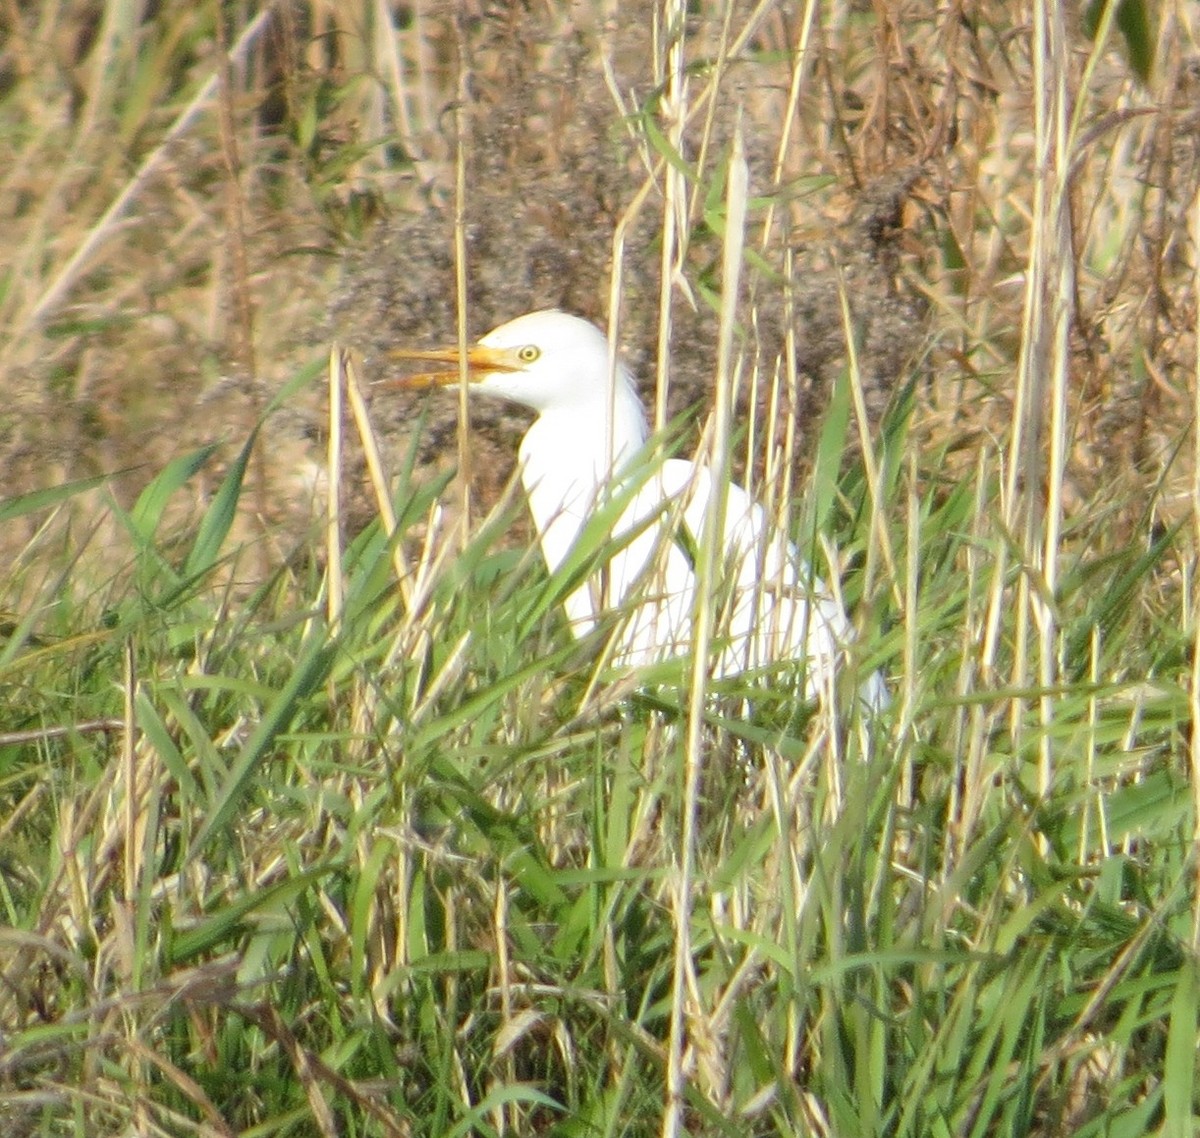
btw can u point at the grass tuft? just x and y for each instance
(315, 819)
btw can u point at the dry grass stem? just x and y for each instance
(317, 818)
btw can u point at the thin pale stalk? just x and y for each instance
(1022, 513)
(707, 567)
(703, 102)
(387, 38)
(1089, 767)
(674, 228)
(971, 727)
(460, 286)
(106, 225)
(881, 539)
(1194, 694)
(118, 25)
(335, 597)
(1062, 300)
(720, 62)
(507, 1118)
(133, 860)
(427, 97)
(380, 482)
(615, 290)
(908, 616)
(792, 377)
(795, 89)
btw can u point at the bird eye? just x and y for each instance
(528, 354)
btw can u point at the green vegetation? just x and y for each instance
(316, 829)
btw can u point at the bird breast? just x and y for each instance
(768, 605)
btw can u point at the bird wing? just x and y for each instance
(770, 606)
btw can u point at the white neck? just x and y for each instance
(566, 461)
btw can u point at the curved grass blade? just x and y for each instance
(43, 499)
(146, 515)
(316, 658)
(222, 511)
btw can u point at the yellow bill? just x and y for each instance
(482, 361)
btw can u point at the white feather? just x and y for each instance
(583, 450)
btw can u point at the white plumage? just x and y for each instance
(583, 450)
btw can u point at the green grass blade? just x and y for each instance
(311, 668)
(221, 513)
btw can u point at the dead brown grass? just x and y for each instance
(196, 211)
(309, 197)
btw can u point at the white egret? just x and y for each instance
(583, 450)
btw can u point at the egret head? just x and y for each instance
(543, 360)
